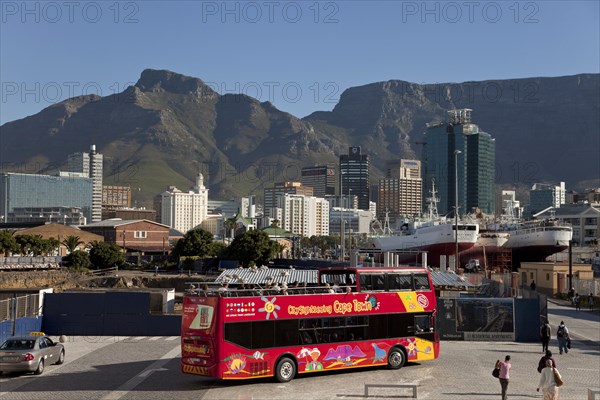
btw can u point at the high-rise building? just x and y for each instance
(400, 192)
(354, 176)
(321, 178)
(184, 211)
(542, 196)
(459, 147)
(90, 164)
(281, 188)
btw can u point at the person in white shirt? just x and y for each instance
(548, 383)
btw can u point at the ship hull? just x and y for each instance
(534, 253)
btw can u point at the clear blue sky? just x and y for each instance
(272, 50)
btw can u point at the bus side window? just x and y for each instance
(405, 282)
(365, 282)
(421, 282)
(397, 282)
(378, 281)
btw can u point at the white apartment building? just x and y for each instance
(303, 215)
(355, 221)
(185, 211)
(90, 164)
(508, 205)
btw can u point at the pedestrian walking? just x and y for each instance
(571, 294)
(504, 375)
(591, 301)
(155, 269)
(542, 362)
(532, 286)
(577, 301)
(562, 334)
(545, 335)
(548, 382)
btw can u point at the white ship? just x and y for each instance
(434, 235)
(534, 241)
(529, 241)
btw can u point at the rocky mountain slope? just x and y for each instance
(167, 127)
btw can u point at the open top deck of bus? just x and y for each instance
(324, 280)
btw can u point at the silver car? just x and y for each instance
(30, 354)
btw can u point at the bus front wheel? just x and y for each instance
(285, 370)
(396, 358)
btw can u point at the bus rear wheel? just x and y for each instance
(396, 358)
(285, 370)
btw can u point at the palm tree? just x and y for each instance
(71, 243)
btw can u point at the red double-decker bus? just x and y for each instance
(374, 317)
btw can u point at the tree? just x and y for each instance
(252, 246)
(71, 243)
(8, 243)
(77, 260)
(194, 243)
(104, 255)
(230, 225)
(216, 249)
(50, 245)
(30, 244)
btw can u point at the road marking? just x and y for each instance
(139, 338)
(147, 373)
(172, 338)
(136, 380)
(154, 338)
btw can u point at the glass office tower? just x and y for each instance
(458, 154)
(35, 191)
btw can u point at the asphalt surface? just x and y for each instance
(147, 368)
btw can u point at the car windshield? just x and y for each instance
(13, 344)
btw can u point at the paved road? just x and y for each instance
(147, 368)
(582, 325)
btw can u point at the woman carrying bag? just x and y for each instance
(549, 382)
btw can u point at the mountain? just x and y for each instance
(546, 129)
(167, 127)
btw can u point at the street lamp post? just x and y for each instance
(456, 261)
(341, 217)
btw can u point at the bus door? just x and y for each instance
(199, 347)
